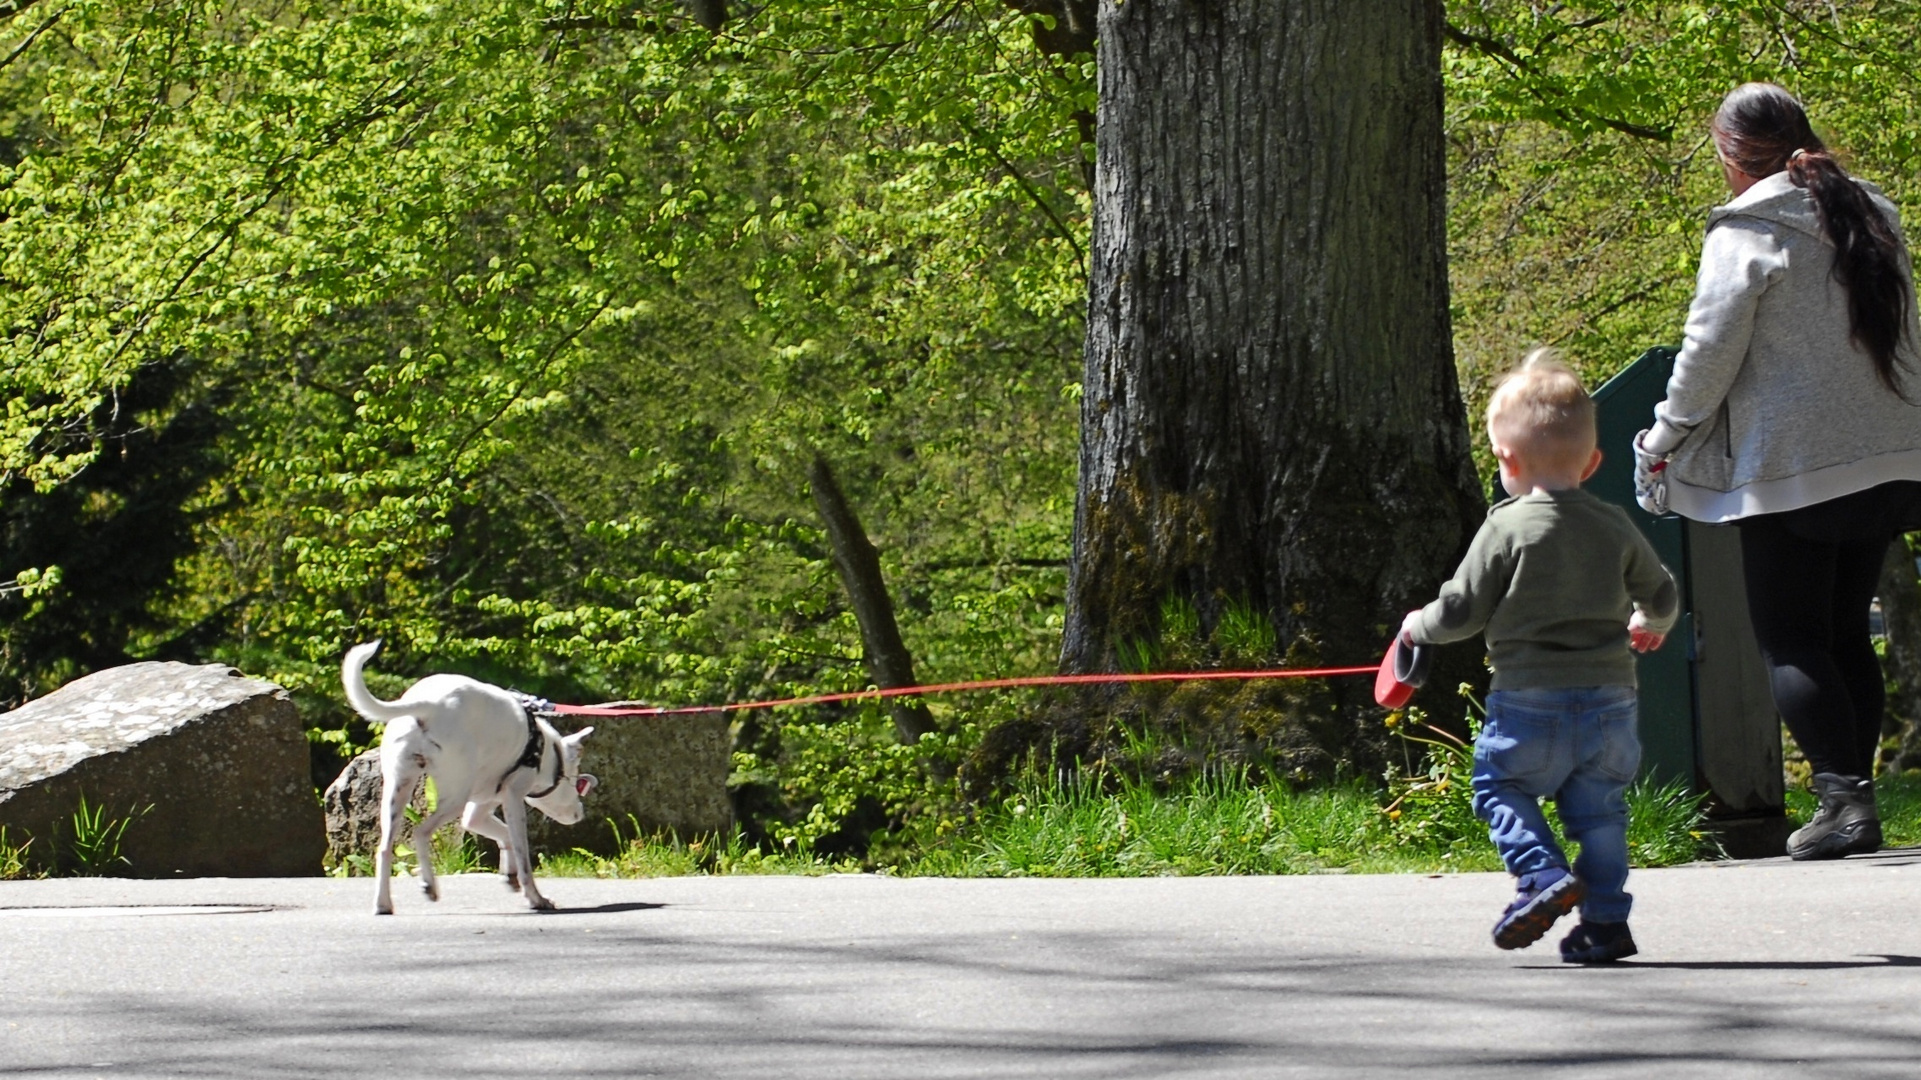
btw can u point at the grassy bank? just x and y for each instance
(1213, 824)
(1216, 824)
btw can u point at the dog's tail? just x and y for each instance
(362, 699)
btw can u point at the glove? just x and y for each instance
(1650, 477)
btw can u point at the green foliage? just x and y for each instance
(666, 855)
(1667, 825)
(14, 865)
(94, 843)
(516, 319)
(1240, 634)
(1578, 175)
(504, 331)
(1218, 822)
(1899, 801)
(1431, 790)
(1431, 803)
(1244, 635)
(1084, 823)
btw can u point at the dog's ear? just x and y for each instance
(577, 736)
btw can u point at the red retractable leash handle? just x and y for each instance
(1402, 672)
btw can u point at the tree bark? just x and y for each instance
(711, 14)
(1270, 411)
(889, 663)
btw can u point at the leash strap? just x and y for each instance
(948, 688)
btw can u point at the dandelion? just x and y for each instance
(1394, 719)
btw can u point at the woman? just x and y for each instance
(1792, 413)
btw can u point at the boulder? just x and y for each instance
(209, 770)
(352, 805)
(660, 773)
(657, 773)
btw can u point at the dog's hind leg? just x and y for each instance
(400, 772)
(423, 842)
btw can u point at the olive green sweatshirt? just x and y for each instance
(1552, 578)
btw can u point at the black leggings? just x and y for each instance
(1809, 601)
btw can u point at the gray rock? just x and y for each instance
(352, 806)
(221, 761)
(657, 772)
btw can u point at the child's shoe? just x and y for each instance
(1597, 943)
(1544, 896)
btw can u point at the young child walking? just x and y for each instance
(1563, 585)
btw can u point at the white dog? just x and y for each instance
(486, 752)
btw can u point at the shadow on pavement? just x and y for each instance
(602, 909)
(1885, 961)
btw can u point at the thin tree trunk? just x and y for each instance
(888, 662)
(1900, 594)
(1270, 412)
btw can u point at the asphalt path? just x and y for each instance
(1756, 969)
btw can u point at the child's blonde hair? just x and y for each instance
(1541, 413)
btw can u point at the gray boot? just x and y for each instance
(1846, 823)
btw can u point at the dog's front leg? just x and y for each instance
(515, 811)
(479, 819)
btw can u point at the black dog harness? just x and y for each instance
(536, 748)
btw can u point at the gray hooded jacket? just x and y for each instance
(1771, 407)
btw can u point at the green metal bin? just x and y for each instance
(1707, 716)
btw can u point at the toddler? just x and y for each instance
(1563, 585)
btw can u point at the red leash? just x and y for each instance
(988, 684)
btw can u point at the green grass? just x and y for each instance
(1224, 824)
(666, 855)
(95, 844)
(13, 859)
(1220, 822)
(1217, 823)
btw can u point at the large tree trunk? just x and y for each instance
(1270, 414)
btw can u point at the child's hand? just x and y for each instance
(1640, 638)
(1409, 625)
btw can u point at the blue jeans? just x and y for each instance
(1578, 745)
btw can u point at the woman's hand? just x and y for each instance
(1650, 477)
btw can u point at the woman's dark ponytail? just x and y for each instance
(1761, 130)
